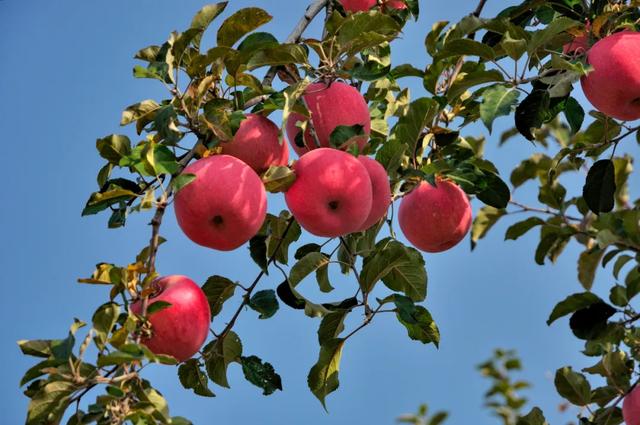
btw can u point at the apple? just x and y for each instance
(224, 206)
(358, 5)
(257, 144)
(180, 329)
(332, 194)
(364, 5)
(330, 105)
(435, 219)
(631, 407)
(613, 87)
(381, 191)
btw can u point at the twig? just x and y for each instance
(312, 11)
(249, 290)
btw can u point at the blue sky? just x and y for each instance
(65, 78)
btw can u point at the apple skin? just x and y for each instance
(357, 5)
(224, 206)
(180, 329)
(613, 87)
(631, 407)
(435, 219)
(381, 191)
(330, 105)
(332, 194)
(257, 144)
(364, 5)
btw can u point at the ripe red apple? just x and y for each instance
(332, 194)
(613, 87)
(435, 219)
(224, 206)
(331, 105)
(180, 329)
(364, 5)
(257, 144)
(631, 407)
(357, 5)
(381, 191)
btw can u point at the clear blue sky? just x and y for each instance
(65, 78)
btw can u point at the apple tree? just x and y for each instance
(369, 150)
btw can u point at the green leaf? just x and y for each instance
(331, 326)
(241, 23)
(181, 181)
(496, 192)
(141, 111)
(104, 319)
(399, 267)
(323, 376)
(157, 306)
(497, 101)
(260, 374)
(308, 264)
(219, 354)
(541, 37)
(114, 147)
(361, 31)
(486, 218)
(203, 19)
(535, 417)
(258, 251)
(600, 187)
(418, 321)
(283, 54)
(342, 134)
(410, 126)
(218, 290)
(278, 179)
(587, 266)
(192, 377)
(127, 354)
(265, 303)
(282, 235)
(572, 304)
(466, 47)
(465, 81)
(521, 228)
(573, 386)
(531, 112)
(591, 322)
(48, 405)
(574, 113)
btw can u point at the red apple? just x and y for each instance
(257, 144)
(435, 219)
(381, 191)
(180, 329)
(330, 105)
(224, 206)
(332, 194)
(631, 408)
(613, 87)
(396, 4)
(364, 5)
(357, 5)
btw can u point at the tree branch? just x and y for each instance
(312, 11)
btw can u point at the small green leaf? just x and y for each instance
(241, 23)
(114, 147)
(219, 354)
(574, 113)
(308, 264)
(204, 17)
(343, 135)
(418, 321)
(192, 377)
(331, 326)
(486, 218)
(157, 306)
(265, 303)
(521, 228)
(497, 101)
(535, 417)
(573, 386)
(587, 266)
(600, 187)
(181, 181)
(591, 322)
(323, 376)
(104, 319)
(278, 179)
(572, 304)
(218, 289)
(260, 374)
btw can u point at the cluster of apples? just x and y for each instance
(613, 87)
(335, 193)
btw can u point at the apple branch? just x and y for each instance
(309, 15)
